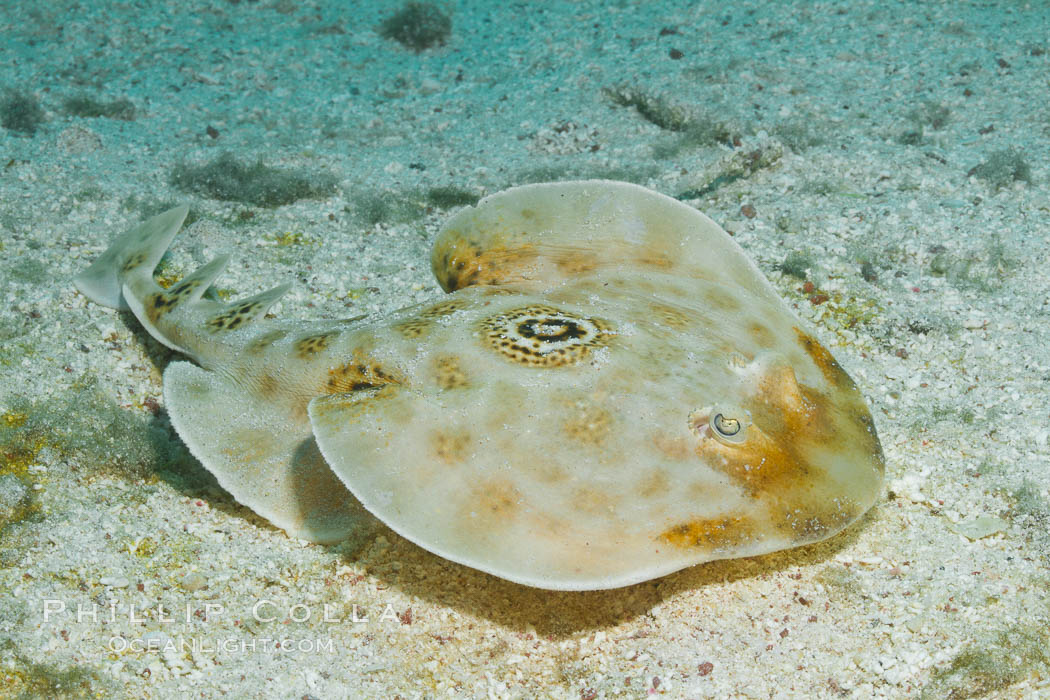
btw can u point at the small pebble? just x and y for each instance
(194, 582)
(429, 86)
(981, 527)
(77, 139)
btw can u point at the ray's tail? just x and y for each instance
(179, 317)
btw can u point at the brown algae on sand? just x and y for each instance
(611, 392)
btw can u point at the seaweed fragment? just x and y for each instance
(994, 663)
(655, 109)
(797, 265)
(374, 207)
(691, 128)
(228, 179)
(447, 196)
(28, 679)
(980, 270)
(742, 164)
(1003, 168)
(21, 112)
(798, 134)
(88, 107)
(418, 26)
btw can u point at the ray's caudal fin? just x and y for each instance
(259, 448)
(122, 278)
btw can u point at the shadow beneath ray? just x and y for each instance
(324, 501)
(562, 614)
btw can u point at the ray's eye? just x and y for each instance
(727, 424)
(726, 427)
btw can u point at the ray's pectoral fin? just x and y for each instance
(406, 455)
(427, 467)
(267, 459)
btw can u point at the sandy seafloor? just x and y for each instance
(868, 119)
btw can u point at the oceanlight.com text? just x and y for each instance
(228, 645)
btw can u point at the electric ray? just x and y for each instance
(611, 391)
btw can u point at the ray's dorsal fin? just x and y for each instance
(179, 317)
(140, 248)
